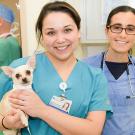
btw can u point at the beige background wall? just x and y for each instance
(29, 11)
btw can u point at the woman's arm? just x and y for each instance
(30, 103)
(1, 117)
(10, 121)
(70, 125)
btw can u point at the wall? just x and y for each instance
(29, 11)
(92, 49)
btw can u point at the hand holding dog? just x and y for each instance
(27, 101)
(12, 120)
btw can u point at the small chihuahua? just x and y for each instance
(22, 77)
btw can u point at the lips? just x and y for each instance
(62, 48)
(121, 42)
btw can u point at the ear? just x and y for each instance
(32, 61)
(7, 70)
(106, 32)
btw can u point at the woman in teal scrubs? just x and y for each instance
(60, 80)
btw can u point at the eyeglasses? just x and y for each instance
(130, 30)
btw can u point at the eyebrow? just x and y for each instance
(117, 24)
(69, 25)
(53, 28)
(129, 25)
(48, 29)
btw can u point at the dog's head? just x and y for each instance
(23, 74)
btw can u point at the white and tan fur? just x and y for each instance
(22, 79)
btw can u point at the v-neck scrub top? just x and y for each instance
(86, 88)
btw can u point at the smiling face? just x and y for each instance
(60, 35)
(121, 42)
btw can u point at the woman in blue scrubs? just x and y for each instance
(119, 67)
(69, 97)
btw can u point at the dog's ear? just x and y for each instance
(32, 61)
(7, 70)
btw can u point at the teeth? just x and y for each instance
(121, 42)
(61, 47)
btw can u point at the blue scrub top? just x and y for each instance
(87, 88)
(122, 122)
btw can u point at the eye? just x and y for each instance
(116, 27)
(51, 33)
(28, 72)
(131, 28)
(67, 30)
(18, 76)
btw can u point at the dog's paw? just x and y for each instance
(24, 118)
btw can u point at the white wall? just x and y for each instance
(29, 11)
(92, 49)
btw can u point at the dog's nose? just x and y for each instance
(24, 80)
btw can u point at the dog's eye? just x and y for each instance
(17, 76)
(28, 72)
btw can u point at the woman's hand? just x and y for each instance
(12, 120)
(27, 101)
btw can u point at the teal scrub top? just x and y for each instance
(9, 50)
(86, 88)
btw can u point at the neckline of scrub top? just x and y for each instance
(71, 75)
(111, 77)
(116, 68)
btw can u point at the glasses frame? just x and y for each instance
(110, 27)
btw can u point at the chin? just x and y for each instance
(122, 51)
(64, 58)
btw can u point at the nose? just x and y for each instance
(24, 80)
(123, 33)
(60, 38)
